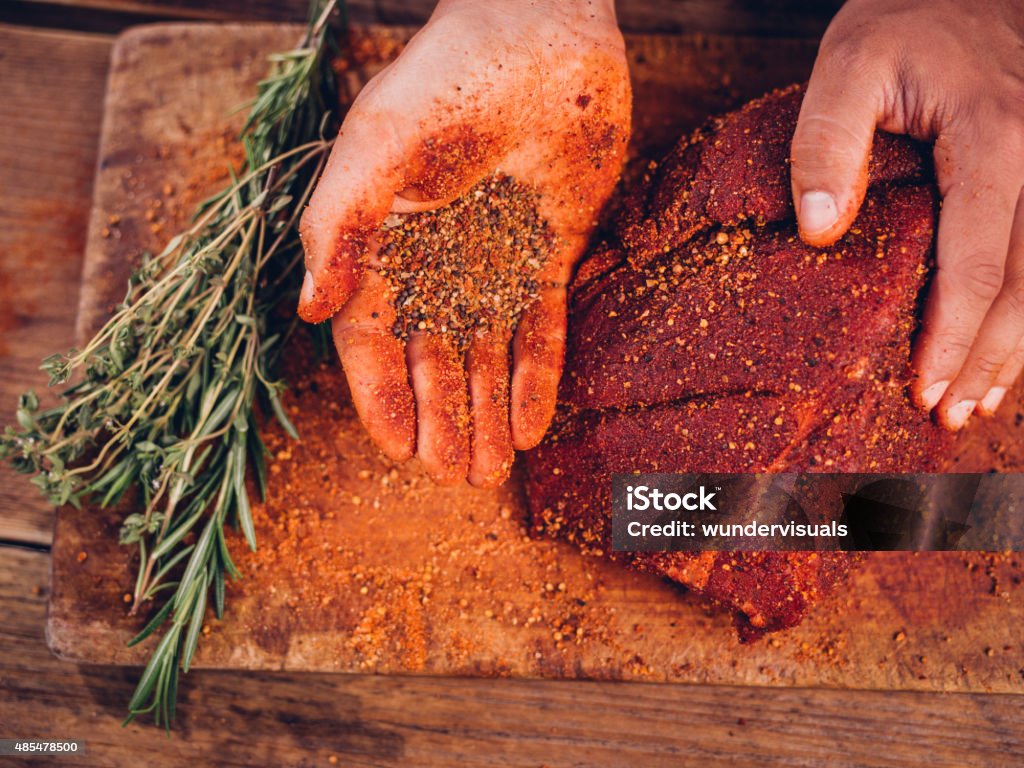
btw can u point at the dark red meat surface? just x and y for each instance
(705, 336)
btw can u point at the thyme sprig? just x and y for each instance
(165, 394)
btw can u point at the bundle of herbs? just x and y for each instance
(163, 400)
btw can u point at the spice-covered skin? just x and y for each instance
(952, 72)
(535, 90)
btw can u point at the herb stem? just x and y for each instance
(166, 395)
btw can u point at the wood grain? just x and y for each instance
(53, 99)
(238, 719)
(444, 581)
(302, 719)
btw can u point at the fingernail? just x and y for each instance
(991, 401)
(957, 416)
(818, 212)
(308, 289)
(933, 394)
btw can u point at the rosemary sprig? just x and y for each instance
(165, 394)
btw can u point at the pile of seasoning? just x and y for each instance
(467, 268)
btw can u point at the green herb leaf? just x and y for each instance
(164, 397)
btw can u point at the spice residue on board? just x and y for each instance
(389, 571)
(467, 268)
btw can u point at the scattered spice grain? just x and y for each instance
(469, 267)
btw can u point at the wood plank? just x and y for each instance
(193, 10)
(768, 18)
(238, 719)
(382, 571)
(777, 18)
(113, 17)
(53, 98)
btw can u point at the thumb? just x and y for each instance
(351, 199)
(830, 152)
(383, 162)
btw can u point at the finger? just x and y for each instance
(538, 351)
(487, 363)
(1005, 381)
(832, 146)
(374, 363)
(998, 338)
(538, 347)
(397, 137)
(971, 253)
(442, 406)
(351, 199)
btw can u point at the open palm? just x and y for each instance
(538, 91)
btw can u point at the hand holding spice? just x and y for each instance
(489, 147)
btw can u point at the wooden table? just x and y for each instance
(52, 81)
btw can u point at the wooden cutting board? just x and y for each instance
(379, 571)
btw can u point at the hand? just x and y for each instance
(952, 72)
(539, 90)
